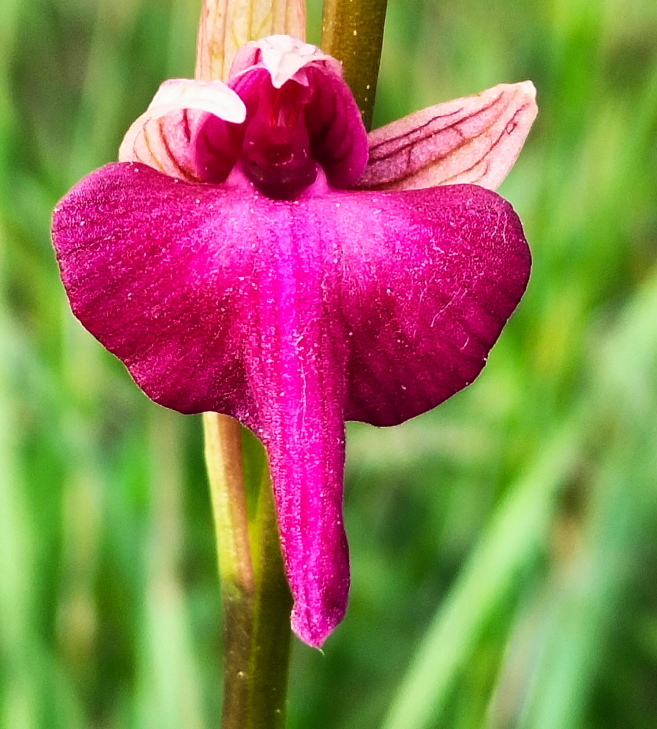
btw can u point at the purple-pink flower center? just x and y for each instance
(276, 153)
(300, 116)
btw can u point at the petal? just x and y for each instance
(226, 26)
(338, 140)
(184, 117)
(283, 57)
(154, 274)
(296, 367)
(213, 97)
(476, 139)
(430, 279)
(214, 299)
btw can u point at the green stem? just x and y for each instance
(271, 639)
(223, 455)
(255, 594)
(352, 31)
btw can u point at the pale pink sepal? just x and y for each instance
(161, 137)
(475, 140)
(283, 56)
(227, 25)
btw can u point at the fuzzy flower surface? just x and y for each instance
(256, 253)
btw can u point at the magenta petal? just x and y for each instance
(431, 277)
(291, 317)
(156, 278)
(338, 138)
(214, 298)
(296, 369)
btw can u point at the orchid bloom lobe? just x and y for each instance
(233, 268)
(474, 140)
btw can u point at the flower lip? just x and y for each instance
(292, 318)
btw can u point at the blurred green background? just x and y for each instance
(504, 546)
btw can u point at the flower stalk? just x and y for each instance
(223, 456)
(271, 636)
(352, 32)
(255, 593)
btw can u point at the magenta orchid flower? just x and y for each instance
(256, 253)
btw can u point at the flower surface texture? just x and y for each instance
(256, 253)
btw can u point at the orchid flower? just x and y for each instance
(256, 253)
